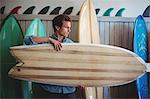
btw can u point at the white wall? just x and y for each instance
(132, 7)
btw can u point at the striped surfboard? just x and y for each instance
(98, 65)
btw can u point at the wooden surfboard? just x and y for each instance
(88, 26)
(98, 65)
(89, 33)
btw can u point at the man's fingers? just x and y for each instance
(59, 44)
(58, 47)
(55, 47)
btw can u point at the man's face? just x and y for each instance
(65, 29)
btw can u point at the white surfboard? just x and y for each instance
(89, 33)
(88, 25)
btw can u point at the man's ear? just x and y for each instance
(57, 27)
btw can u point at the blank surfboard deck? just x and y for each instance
(98, 65)
(88, 25)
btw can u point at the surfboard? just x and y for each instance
(141, 38)
(88, 26)
(98, 65)
(141, 49)
(36, 28)
(10, 35)
(148, 70)
(89, 33)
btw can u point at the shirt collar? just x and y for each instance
(56, 38)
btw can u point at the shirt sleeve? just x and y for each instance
(28, 40)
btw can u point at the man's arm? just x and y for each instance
(37, 40)
(41, 39)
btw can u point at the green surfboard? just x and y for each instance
(10, 35)
(36, 28)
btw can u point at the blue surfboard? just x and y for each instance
(141, 49)
(36, 28)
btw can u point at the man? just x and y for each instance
(62, 28)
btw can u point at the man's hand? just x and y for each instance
(57, 45)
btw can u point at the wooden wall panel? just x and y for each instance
(106, 33)
(74, 35)
(112, 33)
(49, 28)
(102, 32)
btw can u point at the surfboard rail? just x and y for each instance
(98, 65)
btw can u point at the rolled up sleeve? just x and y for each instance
(28, 40)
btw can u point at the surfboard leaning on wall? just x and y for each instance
(88, 34)
(36, 28)
(10, 35)
(141, 49)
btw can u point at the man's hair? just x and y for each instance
(58, 20)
